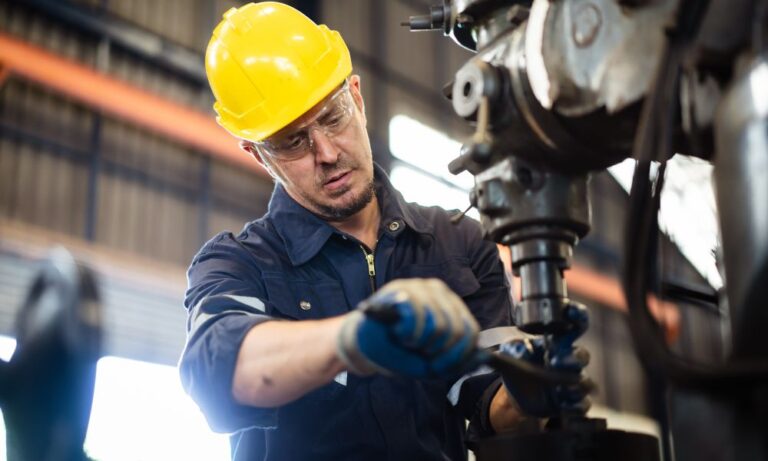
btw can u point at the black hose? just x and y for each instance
(654, 142)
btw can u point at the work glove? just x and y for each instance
(412, 327)
(544, 400)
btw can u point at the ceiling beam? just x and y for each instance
(122, 100)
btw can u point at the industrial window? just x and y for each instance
(420, 171)
(141, 412)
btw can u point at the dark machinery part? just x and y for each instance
(738, 387)
(741, 172)
(584, 439)
(558, 89)
(46, 389)
(531, 188)
(517, 123)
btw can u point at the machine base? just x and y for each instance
(569, 445)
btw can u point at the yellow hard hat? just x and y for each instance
(268, 64)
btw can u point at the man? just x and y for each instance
(336, 326)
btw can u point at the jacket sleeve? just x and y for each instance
(491, 305)
(224, 300)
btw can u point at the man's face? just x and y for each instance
(328, 168)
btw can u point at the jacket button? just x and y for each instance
(305, 305)
(394, 225)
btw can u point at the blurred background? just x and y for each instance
(108, 146)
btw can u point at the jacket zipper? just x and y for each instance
(371, 267)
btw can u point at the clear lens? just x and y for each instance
(332, 120)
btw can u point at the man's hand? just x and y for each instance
(541, 399)
(428, 331)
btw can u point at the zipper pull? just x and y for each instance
(371, 268)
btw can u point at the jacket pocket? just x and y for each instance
(306, 299)
(456, 273)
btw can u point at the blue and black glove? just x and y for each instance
(556, 353)
(412, 327)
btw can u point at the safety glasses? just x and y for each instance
(332, 119)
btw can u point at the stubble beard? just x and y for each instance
(347, 210)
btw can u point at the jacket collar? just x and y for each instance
(304, 233)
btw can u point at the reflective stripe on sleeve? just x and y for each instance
(216, 306)
(255, 303)
(455, 390)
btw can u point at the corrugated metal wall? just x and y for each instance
(42, 179)
(141, 318)
(148, 189)
(67, 169)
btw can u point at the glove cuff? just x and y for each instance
(348, 350)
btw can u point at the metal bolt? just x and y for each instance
(586, 24)
(517, 14)
(525, 177)
(464, 19)
(305, 305)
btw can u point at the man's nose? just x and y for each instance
(324, 149)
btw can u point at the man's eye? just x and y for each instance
(292, 143)
(334, 119)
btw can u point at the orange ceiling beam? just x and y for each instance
(3, 73)
(596, 287)
(122, 100)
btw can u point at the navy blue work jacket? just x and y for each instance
(292, 265)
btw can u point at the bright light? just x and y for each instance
(140, 412)
(419, 188)
(623, 172)
(688, 213)
(757, 79)
(7, 346)
(426, 148)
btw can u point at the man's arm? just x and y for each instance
(279, 361)
(429, 332)
(504, 413)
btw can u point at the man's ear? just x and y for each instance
(357, 95)
(251, 149)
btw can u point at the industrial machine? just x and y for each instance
(46, 388)
(559, 89)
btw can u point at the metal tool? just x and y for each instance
(46, 389)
